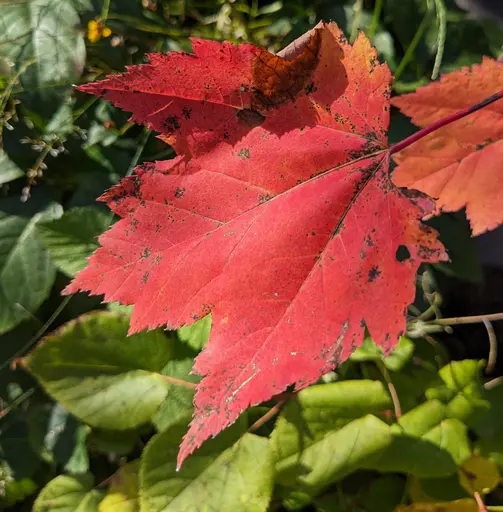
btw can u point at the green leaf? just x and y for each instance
(59, 436)
(196, 335)
(101, 375)
(369, 351)
(177, 408)
(384, 494)
(68, 494)
(9, 171)
(72, 239)
(318, 410)
(239, 478)
(330, 458)
(17, 451)
(113, 441)
(452, 436)
(26, 271)
(462, 391)
(122, 495)
(419, 446)
(42, 38)
(400, 355)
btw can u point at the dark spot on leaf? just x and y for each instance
(171, 124)
(244, 153)
(145, 254)
(402, 253)
(250, 118)
(310, 88)
(374, 273)
(180, 191)
(186, 111)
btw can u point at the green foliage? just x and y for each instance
(91, 419)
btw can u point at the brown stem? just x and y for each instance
(266, 417)
(395, 148)
(466, 319)
(392, 390)
(179, 382)
(480, 502)
(493, 347)
(493, 383)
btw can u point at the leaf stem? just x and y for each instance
(480, 502)
(179, 382)
(391, 388)
(375, 19)
(399, 146)
(409, 53)
(467, 319)
(266, 417)
(493, 347)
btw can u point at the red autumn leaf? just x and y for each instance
(278, 216)
(459, 164)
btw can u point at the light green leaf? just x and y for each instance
(330, 458)
(43, 37)
(72, 239)
(370, 352)
(462, 391)
(400, 355)
(122, 495)
(318, 410)
(26, 271)
(238, 479)
(418, 447)
(101, 375)
(9, 171)
(452, 436)
(196, 335)
(68, 494)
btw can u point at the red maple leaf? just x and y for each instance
(278, 216)
(458, 164)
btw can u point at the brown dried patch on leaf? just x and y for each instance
(278, 81)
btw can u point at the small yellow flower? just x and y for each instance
(96, 30)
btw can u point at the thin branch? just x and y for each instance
(179, 382)
(392, 390)
(493, 347)
(493, 383)
(460, 320)
(395, 148)
(480, 502)
(266, 417)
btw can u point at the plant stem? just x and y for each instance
(493, 347)
(440, 9)
(490, 384)
(409, 53)
(375, 19)
(266, 417)
(399, 146)
(480, 502)
(467, 319)
(179, 382)
(357, 9)
(392, 390)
